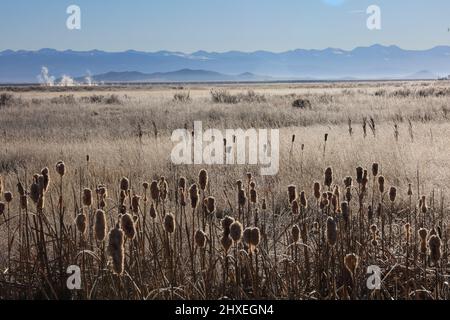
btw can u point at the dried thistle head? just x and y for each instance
(200, 238)
(203, 179)
(127, 225)
(100, 225)
(236, 231)
(169, 223)
(328, 177)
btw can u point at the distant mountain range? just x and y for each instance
(374, 62)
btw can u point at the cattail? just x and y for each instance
(116, 250)
(200, 238)
(375, 169)
(249, 176)
(303, 200)
(24, 202)
(182, 195)
(210, 203)
(169, 223)
(127, 225)
(242, 198)
(34, 190)
(410, 189)
(331, 231)
(2, 208)
(435, 249)
(226, 223)
(100, 225)
(255, 236)
(408, 232)
(122, 197)
(365, 179)
(351, 262)
(44, 173)
(80, 222)
(60, 168)
(292, 193)
(246, 236)
(226, 242)
(348, 182)
(348, 194)
(381, 184)
(423, 206)
(135, 203)
(154, 190)
(295, 207)
(87, 197)
(239, 184)
(203, 179)
(8, 196)
(253, 196)
(317, 192)
(359, 174)
(152, 211)
(124, 184)
(193, 193)
(423, 237)
(163, 188)
(392, 193)
(295, 233)
(328, 177)
(182, 183)
(264, 204)
(345, 211)
(236, 231)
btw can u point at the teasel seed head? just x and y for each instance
(193, 194)
(226, 223)
(124, 184)
(154, 190)
(45, 174)
(236, 231)
(80, 222)
(100, 225)
(331, 231)
(246, 236)
(292, 193)
(87, 197)
(200, 238)
(392, 193)
(295, 233)
(203, 179)
(255, 236)
(328, 177)
(127, 225)
(169, 223)
(116, 249)
(375, 169)
(34, 190)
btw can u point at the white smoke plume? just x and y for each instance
(67, 81)
(45, 78)
(88, 80)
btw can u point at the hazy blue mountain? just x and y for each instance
(372, 62)
(184, 75)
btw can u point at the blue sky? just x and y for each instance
(222, 25)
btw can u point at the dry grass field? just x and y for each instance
(140, 227)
